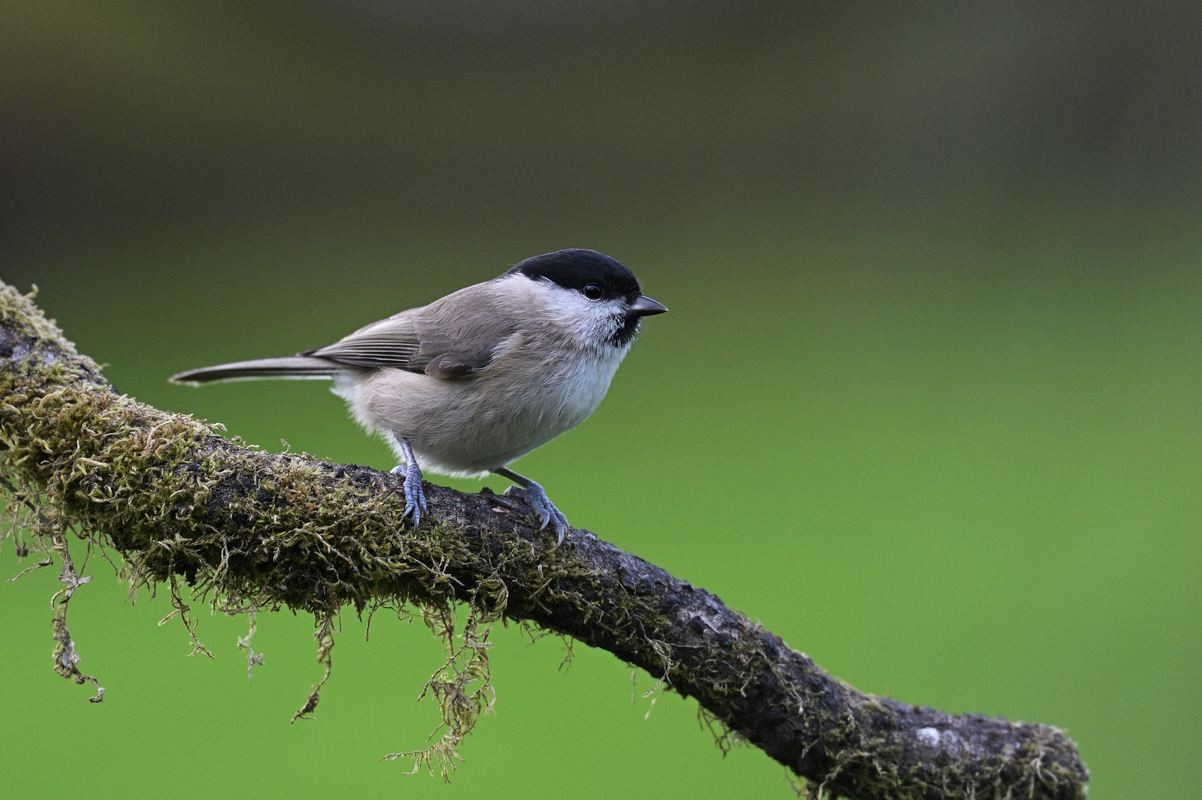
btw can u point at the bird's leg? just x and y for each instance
(548, 514)
(415, 495)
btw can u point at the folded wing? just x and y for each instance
(451, 338)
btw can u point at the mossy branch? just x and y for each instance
(257, 531)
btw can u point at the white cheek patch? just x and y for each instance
(592, 323)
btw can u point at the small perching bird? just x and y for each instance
(475, 380)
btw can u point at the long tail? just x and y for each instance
(286, 367)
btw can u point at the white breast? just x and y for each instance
(575, 396)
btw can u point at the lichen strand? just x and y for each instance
(179, 503)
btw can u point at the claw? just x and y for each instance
(415, 493)
(546, 511)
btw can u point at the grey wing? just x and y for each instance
(433, 340)
(393, 342)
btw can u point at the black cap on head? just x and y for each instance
(575, 268)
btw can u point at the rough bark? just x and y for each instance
(179, 502)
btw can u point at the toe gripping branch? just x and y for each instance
(415, 493)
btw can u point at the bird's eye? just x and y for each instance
(592, 291)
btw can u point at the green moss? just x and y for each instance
(19, 311)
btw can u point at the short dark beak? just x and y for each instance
(644, 306)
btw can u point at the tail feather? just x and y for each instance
(286, 367)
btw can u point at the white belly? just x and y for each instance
(470, 426)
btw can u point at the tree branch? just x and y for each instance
(262, 531)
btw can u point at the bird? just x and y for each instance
(469, 383)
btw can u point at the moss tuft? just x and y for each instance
(21, 313)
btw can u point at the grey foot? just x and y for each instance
(547, 513)
(415, 494)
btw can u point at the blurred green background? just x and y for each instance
(927, 404)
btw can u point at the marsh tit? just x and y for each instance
(475, 380)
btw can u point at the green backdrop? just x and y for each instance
(927, 403)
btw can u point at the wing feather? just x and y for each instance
(452, 338)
